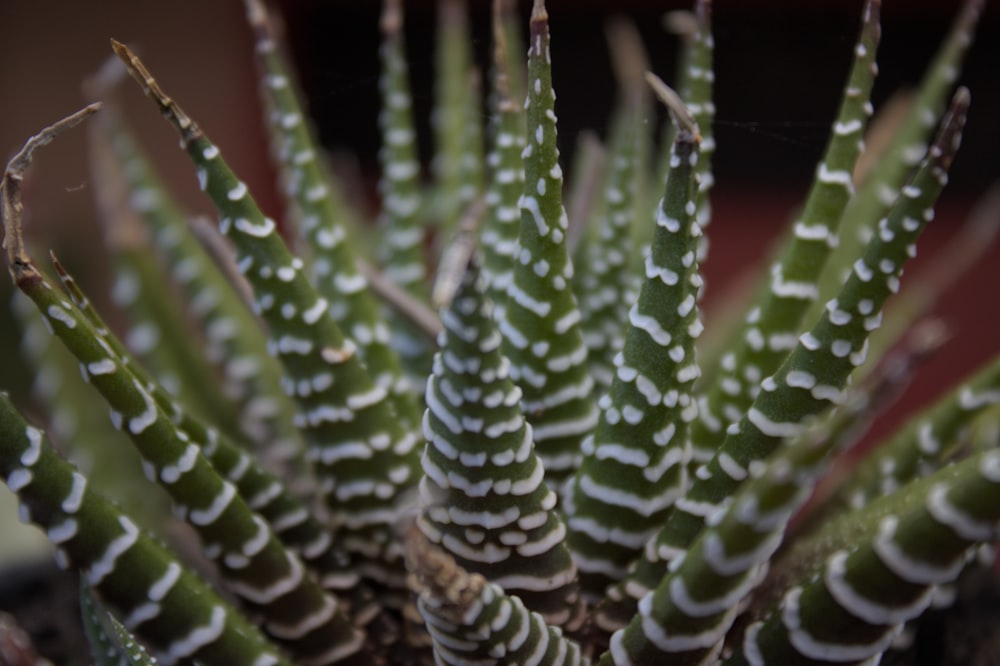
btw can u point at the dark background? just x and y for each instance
(780, 68)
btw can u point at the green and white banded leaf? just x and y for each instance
(254, 564)
(926, 442)
(498, 237)
(774, 321)
(928, 286)
(810, 381)
(604, 286)
(401, 219)
(292, 520)
(156, 597)
(158, 331)
(696, 79)
(256, 567)
(336, 276)
(690, 613)
(363, 457)
(234, 341)
(449, 121)
(853, 607)
(541, 331)
(485, 500)
(78, 422)
(697, 92)
(634, 466)
(880, 188)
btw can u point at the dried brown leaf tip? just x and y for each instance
(168, 107)
(435, 574)
(19, 263)
(673, 101)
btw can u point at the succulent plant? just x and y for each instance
(524, 462)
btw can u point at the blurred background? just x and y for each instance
(780, 67)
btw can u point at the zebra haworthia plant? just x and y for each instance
(590, 482)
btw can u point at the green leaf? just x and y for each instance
(449, 119)
(334, 255)
(633, 466)
(855, 604)
(541, 331)
(402, 254)
(774, 322)
(813, 377)
(158, 599)
(924, 443)
(603, 285)
(235, 343)
(487, 504)
(364, 459)
(907, 147)
(293, 521)
(111, 643)
(254, 564)
(78, 421)
(506, 178)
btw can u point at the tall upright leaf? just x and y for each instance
(541, 332)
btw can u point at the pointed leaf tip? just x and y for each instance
(538, 11)
(950, 135)
(256, 13)
(391, 22)
(188, 130)
(121, 50)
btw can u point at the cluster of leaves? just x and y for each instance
(583, 479)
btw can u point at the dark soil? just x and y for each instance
(45, 602)
(966, 634)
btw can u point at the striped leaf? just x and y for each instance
(449, 121)
(403, 253)
(156, 597)
(773, 324)
(634, 465)
(255, 565)
(811, 380)
(487, 504)
(78, 421)
(291, 519)
(604, 286)
(158, 332)
(363, 457)
(337, 278)
(926, 442)
(235, 343)
(853, 607)
(907, 147)
(506, 175)
(541, 331)
(541, 525)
